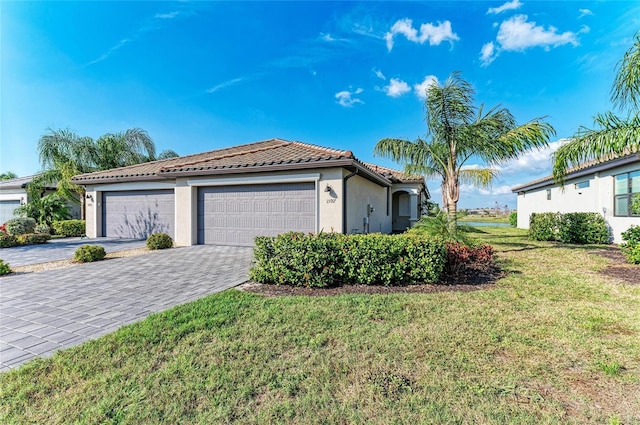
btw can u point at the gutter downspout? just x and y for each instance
(344, 200)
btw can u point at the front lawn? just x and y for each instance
(554, 341)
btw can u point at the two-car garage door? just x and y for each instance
(235, 215)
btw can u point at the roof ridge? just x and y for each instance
(347, 153)
(229, 155)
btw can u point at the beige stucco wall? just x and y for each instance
(360, 193)
(329, 216)
(598, 197)
(186, 226)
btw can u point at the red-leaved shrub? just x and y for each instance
(463, 260)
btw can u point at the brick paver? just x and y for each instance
(46, 311)
(62, 249)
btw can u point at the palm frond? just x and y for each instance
(626, 86)
(615, 137)
(481, 177)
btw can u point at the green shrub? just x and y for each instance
(513, 219)
(440, 226)
(45, 210)
(4, 268)
(159, 241)
(33, 238)
(42, 228)
(21, 225)
(7, 240)
(583, 228)
(69, 228)
(631, 247)
(575, 228)
(329, 259)
(543, 226)
(632, 235)
(89, 253)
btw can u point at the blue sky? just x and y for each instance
(205, 75)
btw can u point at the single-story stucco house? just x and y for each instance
(229, 196)
(13, 193)
(604, 187)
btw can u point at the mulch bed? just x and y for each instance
(618, 267)
(467, 283)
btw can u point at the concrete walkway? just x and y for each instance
(62, 249)
(46, 311)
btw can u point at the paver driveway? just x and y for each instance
(62, 249)
(45, 311)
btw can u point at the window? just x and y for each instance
(548, 194)
(582, 185)
(626, 185)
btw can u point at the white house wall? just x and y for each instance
(598, 197)
(360, 193)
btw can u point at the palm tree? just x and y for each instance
(64, 154)
(614, 136)
(458, 131)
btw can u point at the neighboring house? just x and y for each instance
(13, 193)
(605, 187)
(230, 196)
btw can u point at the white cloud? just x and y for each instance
(434, 34)
(510, 5)
(488, 53)
(532, 162)
(420, 89)
(500, 190)
(584, 12)
(517, 34)
(345, 98)
(396, 88)
(224, 85)
(169, 15)
(379, 74)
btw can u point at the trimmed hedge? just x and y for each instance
(89, 253)
(20, 225)
(513, 219)
(7, 241)
(329, 259)
(573, 228)
(583, 228)
(159, 241)
(33, 238)
(69, 228)
(543, 226)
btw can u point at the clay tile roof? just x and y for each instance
(395, 176)
(266, 153)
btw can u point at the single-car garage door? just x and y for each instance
(136, 214)
(235, 215)
(6, 210)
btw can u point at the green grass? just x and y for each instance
(553, 342)
(483, 219)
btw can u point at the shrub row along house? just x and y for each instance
(606, 187)
(230, 196)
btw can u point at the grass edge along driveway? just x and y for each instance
(552, 342)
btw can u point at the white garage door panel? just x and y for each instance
(6, 210)
(235, 215)
(136, 214)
